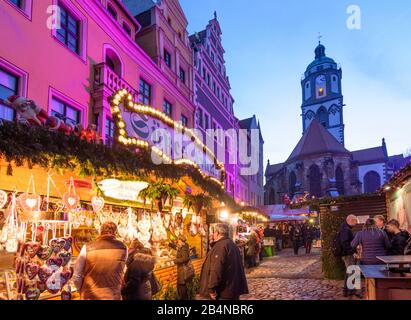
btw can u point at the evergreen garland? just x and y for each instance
(38, 146)
(333, 267)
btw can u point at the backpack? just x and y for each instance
(336, 246)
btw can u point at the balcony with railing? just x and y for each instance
(106, 78)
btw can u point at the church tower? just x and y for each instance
(322, 94)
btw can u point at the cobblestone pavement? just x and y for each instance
(289, 277)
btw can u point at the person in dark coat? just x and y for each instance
(382, 224)
(279, 238)
(308, 236)
(373, 241)
(140, 265)
(296, 236)
(251, 249)
(398, 240)
(222, 275)
(182, 259)
(345, 237)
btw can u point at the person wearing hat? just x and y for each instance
(182, 261)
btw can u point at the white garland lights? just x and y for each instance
(123, 96)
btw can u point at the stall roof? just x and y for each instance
(281, 212)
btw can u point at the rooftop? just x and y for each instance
(316, 140)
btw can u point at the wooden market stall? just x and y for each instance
(84, 223)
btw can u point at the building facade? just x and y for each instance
(212, 97)
(320, 165)
(252, 185)
(164, 38)
(81, 64)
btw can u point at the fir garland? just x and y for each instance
(38, 146)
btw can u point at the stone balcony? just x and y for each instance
(108, 82)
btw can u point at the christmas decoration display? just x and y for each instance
(29, 113)
(36, 146)
(43, 264)
(11, 232)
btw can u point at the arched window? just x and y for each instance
(113, 61)
(271, 197)
(339, 177)
(372, 182)
(292, 183)
(322, 116)
(315, 181)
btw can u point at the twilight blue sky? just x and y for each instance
(269, 44)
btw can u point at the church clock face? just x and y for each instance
(320, 84)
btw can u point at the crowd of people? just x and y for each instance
(301, 234)
(107, 269)
(377, 238)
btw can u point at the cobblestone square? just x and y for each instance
(289, 277)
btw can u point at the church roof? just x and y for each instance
(370, 155)
(246, 123)
(273, 169)
(320, 57)
(316, 140)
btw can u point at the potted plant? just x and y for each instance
(198, 202)
(159, 192)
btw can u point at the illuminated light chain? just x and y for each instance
(140, 108)
(160, 115)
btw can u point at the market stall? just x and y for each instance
(398, 197)
(59, 187)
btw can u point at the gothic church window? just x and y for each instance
(372, 182)
(315, 181)
(293, 182)
(339, 177)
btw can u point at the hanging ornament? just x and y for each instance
(54, 283)
(32, 293)
(11, 231)
(30, 201)
(3, 199)
(66, 293)
(97, 203)
(70, 199)
(144, 225)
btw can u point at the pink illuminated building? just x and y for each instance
(71, 71)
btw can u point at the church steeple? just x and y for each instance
(322, 94)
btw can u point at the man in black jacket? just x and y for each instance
(345, 238)
(398, 239)
(223, 276)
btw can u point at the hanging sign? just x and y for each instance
(122, 190)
